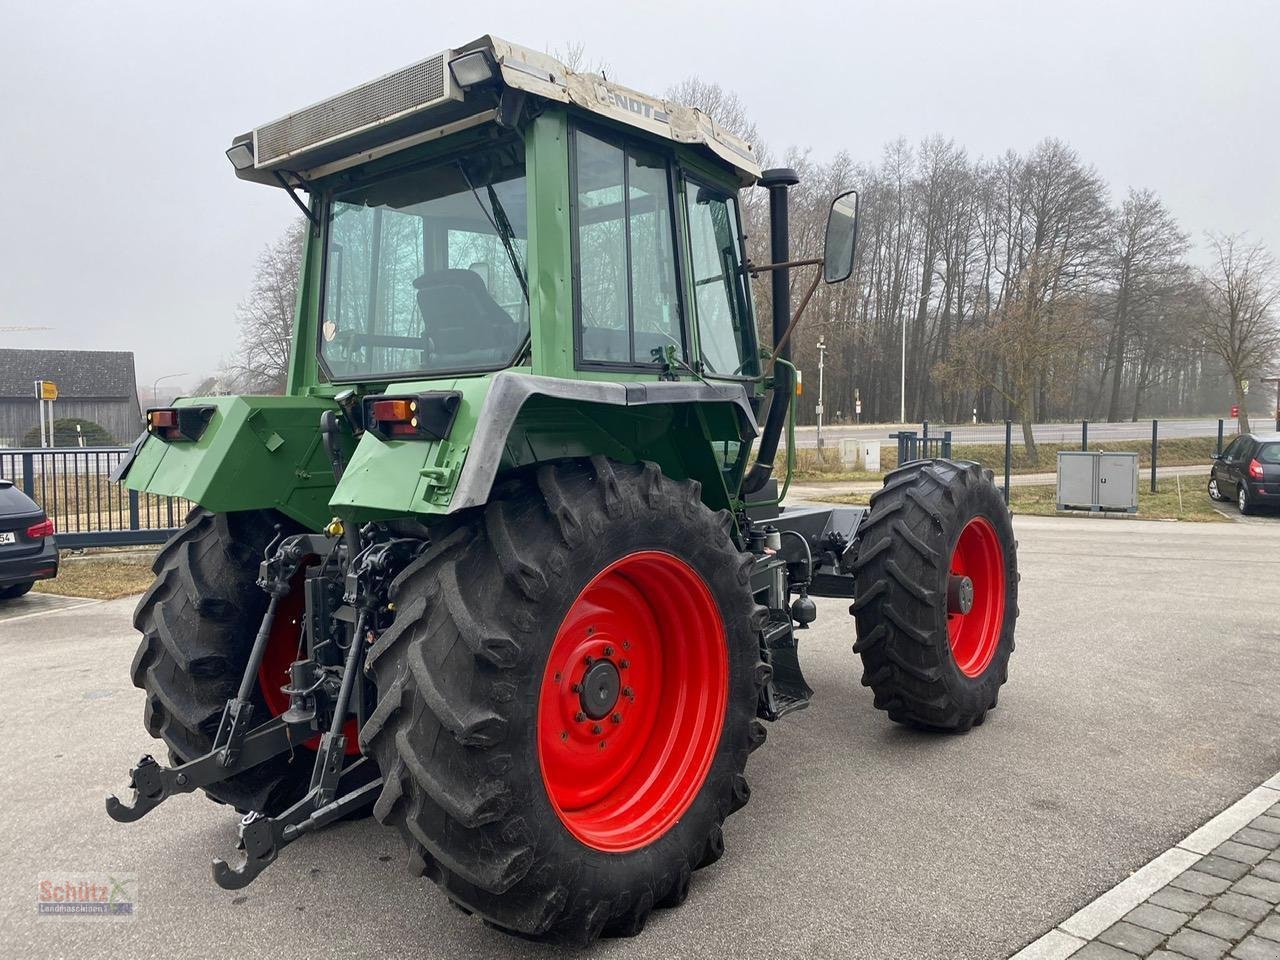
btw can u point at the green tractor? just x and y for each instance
(507, 564)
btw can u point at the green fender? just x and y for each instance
(511, 419)
(256, 452)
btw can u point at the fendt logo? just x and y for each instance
(636, 106)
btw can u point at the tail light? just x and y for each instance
(40, 530)
(423, 416)
(1255, 470)
(177, 424)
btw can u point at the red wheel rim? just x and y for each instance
(975, 634)
(283, 647)
(620, 777)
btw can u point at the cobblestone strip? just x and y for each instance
(1214, 896)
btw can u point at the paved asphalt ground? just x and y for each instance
(1142, 701)
(1043, 432)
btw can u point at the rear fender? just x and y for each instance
(515, 419)
(256, 452)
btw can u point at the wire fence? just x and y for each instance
(73, 486)
(1004, 447)
(1016, 452)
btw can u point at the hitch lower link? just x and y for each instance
(238, 746)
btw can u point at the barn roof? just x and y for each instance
(79, 374)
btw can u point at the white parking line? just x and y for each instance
(49, 612)
(1089, 921)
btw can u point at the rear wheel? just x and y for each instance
(566, 699)
(937, 594)
(198, 623)
(16, 590)
(1243, 502)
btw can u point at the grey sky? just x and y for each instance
(124, 227)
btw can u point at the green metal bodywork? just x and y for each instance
(267, 451)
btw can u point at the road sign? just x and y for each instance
(46, 390)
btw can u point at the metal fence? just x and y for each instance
(72, 485)
(995, 444)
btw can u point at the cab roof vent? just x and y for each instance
(393, 96)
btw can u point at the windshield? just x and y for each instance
(425, 271)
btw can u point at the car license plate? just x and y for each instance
(8, 537)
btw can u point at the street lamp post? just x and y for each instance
(156, 383)
(822, 349)
(902, 413)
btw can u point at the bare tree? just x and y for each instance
(1238, 321)
(261, 364)
(573, 54)
(1145, 249)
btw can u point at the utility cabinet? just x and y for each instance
(1097, 481)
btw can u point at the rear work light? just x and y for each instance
(40, 530)
(178, 424)
(1255, 470)
(422, 416)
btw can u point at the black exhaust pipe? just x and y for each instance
(778, 181)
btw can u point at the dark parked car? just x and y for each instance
(1248, 471)
(27, 549)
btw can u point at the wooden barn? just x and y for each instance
(97, 385)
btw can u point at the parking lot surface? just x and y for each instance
(1142, 700)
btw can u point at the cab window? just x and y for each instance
(626, 297)
(719, 286)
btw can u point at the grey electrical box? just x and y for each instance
(1093, 480)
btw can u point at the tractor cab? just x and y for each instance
(487, 209)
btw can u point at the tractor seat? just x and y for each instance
(461, 317)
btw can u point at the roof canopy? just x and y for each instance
(440, 95)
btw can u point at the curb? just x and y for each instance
(1090, 920)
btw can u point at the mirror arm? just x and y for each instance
(804, 302)
(757, 269)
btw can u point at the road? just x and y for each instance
(1141, 702)
(1043, 432)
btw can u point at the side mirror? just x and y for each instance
(1215, 456)
(842, 238)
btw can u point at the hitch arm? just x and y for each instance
(153, 784)
(264, 837)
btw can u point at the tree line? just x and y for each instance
(1013, 287)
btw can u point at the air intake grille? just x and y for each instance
(409, 89)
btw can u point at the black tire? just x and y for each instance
(1243, 503)
(901, 582)
(459, 673)
(16, 590)
(1214, 492)
(198, 622)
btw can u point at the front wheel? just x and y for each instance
(936, 582)
(1214, 492)
(566, 699)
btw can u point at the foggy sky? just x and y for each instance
(124, 227)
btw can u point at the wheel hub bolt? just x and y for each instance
(579, 716)
(596, 728)
(616, 718)
(624, 664)
(959, 594)
(608, 651)
(628, 693)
